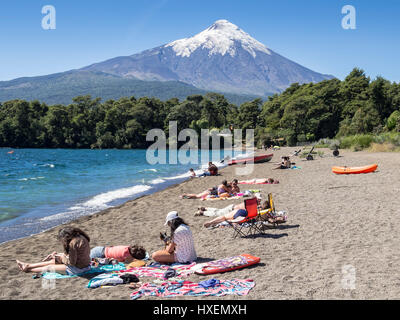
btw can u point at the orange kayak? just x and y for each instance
(354, 170)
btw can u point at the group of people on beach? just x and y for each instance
(77, 256)
(225, 189)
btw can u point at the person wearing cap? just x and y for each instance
(181, 248)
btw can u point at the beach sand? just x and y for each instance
(337, 223)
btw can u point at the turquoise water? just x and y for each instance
(42, 188)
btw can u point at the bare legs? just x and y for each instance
(163, 256)
(42, 267)
(228, 216)
(195, 196)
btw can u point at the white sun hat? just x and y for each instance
(171, 216)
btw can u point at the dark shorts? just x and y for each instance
(240, 213)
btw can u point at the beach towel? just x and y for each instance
(111, 279)
(158, 270)
(186, 288)
(216, 198)
(100, 269)
(216, 212)
(246, 193)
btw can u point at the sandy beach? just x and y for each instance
(335, 221)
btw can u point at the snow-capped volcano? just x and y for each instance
(220, 38)
(221, 58)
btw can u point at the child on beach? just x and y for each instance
(192, 173)
(74, 260)
(124, 254)
(181, 246)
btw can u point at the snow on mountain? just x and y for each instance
(221, 58)
(218, 39)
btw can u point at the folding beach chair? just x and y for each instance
(251, 221)
(270, 213)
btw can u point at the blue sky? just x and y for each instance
(307, 32)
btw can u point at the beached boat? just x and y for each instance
(256, 159)
(354, 170)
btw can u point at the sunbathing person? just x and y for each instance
(216, 212)
(124, 254)
(211, 191)
(223, 189)
(241, 212)
(260, 181)
(74, 260)
(180, 248)
(234, 186)
(211, 171)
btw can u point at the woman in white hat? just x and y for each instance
(181, 247)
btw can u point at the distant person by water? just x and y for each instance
(212, 170)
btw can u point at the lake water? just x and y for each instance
(42, 188)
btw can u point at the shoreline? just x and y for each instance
(42, 218)
(332, 222)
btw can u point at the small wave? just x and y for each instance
(47, 165)
(101, 200)
(34, 178)
(157, 181)
(147, 170)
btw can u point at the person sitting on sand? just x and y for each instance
(285, 164)
(211, 171)
(181, 247)
(74, 260)
(234, 186)
(260, 181)
(124, 254)
(224, 189)
(241, 212)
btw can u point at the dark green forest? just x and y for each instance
(302, 113)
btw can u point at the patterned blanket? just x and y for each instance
(187, 288)
(182, 270)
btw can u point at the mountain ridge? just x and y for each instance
(222, 58)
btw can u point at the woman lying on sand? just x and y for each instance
(181, 246)
(121, 253)
(223, 190)
(260, 181)
(241, 212)
(74, 260)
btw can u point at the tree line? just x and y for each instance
(302, 113)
